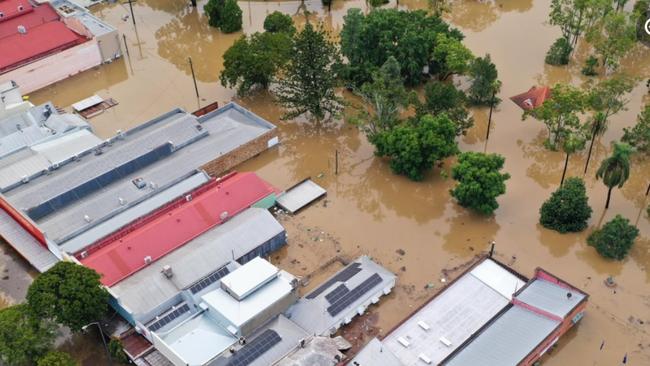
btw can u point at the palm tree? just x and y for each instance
(615, 169)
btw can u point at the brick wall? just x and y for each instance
(224, 163)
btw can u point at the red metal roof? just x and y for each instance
(123, 253)
(14, 8)
(45, 35)
(533, 98)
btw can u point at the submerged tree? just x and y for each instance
(231, 17)
(23, 338)
(607, 98)
(615, 170)
(415, 146)
(386, 96)
(573, 140)
(278, 22)
(575, 16)
(69, 294)
(451, 56)
(480, 181)
(612, 37)
(485, 83)
(440, 97)
(57, 358)
(615, 239)
(639, 135)
(309, 81)
(559, 52)
(567, 210)
(214, 10)
(254, 61)
(560, 113)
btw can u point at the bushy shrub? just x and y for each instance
(559, 52)
(614, 239)
(590, 66)
(117, 351)
(278, 22)
(378, 3)
(214, 9)
(56, 358)
(567, 210)
(480, 181)
(231, 17)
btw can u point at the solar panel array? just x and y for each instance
(337, 293)
(255, 348)
(347, 273)
(353, 295)
(209, 279)
(169, 317)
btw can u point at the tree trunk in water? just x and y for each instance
(647, 191)
(566, 163)
(591, 146)
(609, 195)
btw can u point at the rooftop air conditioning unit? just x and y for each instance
(22, 29)
(25, 179)
(167, 271)
(147, 259)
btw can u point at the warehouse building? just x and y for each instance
(490, 316)
(47, 42)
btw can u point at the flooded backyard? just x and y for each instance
(413, 228)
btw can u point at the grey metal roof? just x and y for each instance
(25, 244)
(290, 333)
(456, 313)
(507, 340)
(85, 238)
(375, 353)
(148, 288)
(550, 297)
(300, 195)
(195, 141)
(310, 312)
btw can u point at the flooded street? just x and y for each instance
(413, 228)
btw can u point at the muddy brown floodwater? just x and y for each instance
(414, 229)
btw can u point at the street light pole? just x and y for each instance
(101, 333)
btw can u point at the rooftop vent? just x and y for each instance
(147, 259)
(87, 218)
(188, 197)
(84, 254)
(223, 215)
(22, 29)
(153, 185)
(2, 15)
(24, 179)
(445, 341)
(403, 342)
(139, 182)
(21, 8)
(424, 358)
(122, 201)
(167, 271)
(423, 325)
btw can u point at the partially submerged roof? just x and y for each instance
(533, 98)
(346, 294)
(300, 195)
(148, 288)
(454, 314)
(98, 184)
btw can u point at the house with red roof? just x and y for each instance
(45, 43)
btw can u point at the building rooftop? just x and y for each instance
(148, 288)
(249, 278)
(454, 314)
(14, 8)
(550, 297)
(147, 240)
(99, 183)
(343, 296)
(43, 34)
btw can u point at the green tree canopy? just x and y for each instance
(278, 22)
(615, 170)
(440, 97)
(575, 16)
(214, 10)
(485, 82)
(614, 239)
(367, 41)
(231, 17)
(310, 76)
(639, 135)
(612, 37)
(559, 52)
(69, 294)
(255, 61)
(23, 338)
(57, 358)
(386, 96)
(567, 210)
(609, 95)
(451, 56)
(480, 181)
(560, 113)
(415, 146)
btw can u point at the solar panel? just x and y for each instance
(337, 293)
(255, 348)
(354, 294)
(347, 273)
(169, 317)
(209, 279)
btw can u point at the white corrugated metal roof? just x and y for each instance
(550, 297)
(25, 244)
(87, 103)
(497, 278)
(249, 277)
(300, 196)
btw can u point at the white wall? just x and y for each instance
(53, 68)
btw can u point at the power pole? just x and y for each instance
(131, 7)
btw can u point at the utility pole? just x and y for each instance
(126, 46)
(131, 7)
(196, 88)
(487, 135)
